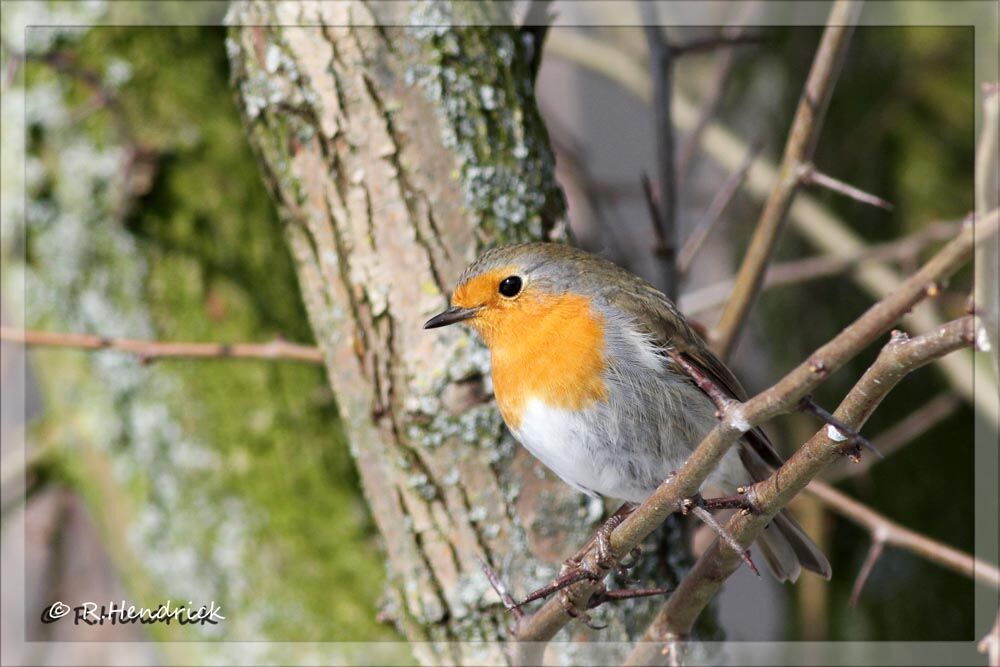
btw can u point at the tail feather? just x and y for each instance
(779, 555)
(786, 547)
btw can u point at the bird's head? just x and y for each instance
(510, 292)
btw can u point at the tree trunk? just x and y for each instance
(396, 155)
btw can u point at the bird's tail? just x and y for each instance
(786, 547)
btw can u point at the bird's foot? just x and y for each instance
(601, 596)
(577, 569)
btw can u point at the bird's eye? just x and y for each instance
(510, 286)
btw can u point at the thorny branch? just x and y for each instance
(798, 151)
(738, 418)
(150, 350)
(898, 358)
(920, 421)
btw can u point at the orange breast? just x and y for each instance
(549, 348)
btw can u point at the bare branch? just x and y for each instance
(838, 430)
(661, 64)
(741, 417)
(892, 534)
(723, 40)
(713, 100)
(798, 150)
(149, 350)
(800, 271)
(715, 210)
(918, 422)
(899, 357)
(809, 175)
(709, 520)
(814, 223)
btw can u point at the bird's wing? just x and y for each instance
(652, 311)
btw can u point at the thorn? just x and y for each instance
(837, 430)
(709, 520)
(501, 589)
(601, 597)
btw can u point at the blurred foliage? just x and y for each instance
(900, 125)
(248, 472)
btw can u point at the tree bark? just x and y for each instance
(396, 155)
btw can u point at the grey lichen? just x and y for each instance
(488, 118)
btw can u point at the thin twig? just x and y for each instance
(713, 100)
(720, 398)
(720, 202)
(712, 42)
(150, 350)
(741, 417)
(661, 65)
(813, 222)
(799, 271)
(798, 150)
(837, 429)
(895, 535)
(874, 553)
(809, 175)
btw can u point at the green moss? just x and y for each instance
(506, 166)
(247, 466)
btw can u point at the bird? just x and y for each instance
(583, 376)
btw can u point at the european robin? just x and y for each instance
(584, 380)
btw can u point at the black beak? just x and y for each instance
(450, 316)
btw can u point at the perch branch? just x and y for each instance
(741, 417)
(149, 350)
(798, 151)
(900, 356)
(918, 422)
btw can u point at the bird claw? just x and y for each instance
(566, 602)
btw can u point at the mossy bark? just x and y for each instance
(396, 155)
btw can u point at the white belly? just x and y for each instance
(568, 444)
(583, 449)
